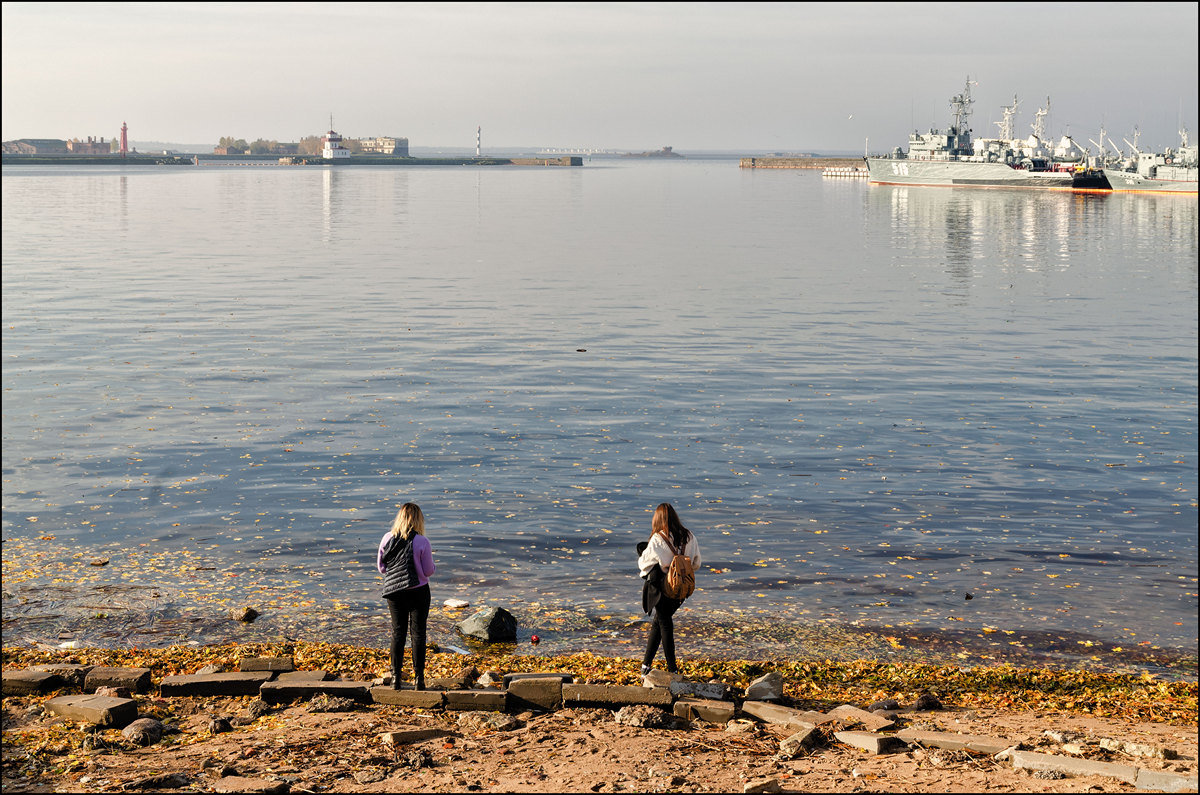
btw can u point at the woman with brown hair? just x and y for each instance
(405, 560)
(668, 538)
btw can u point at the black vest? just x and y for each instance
(400, 569)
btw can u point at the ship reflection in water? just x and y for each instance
(1026, 231)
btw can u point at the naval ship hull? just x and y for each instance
(1182, 180)
(950, 173)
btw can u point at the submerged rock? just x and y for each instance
(494, 625)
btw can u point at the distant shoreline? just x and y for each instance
(284, 160)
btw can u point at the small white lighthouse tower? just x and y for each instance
(478, 139)
(331, 144)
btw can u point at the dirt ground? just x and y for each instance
(571, 750)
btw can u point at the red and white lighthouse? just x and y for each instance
(124, 138)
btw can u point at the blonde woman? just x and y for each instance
(668, 537)
(406, 561)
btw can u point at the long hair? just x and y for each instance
(409, 520)
(666, 524)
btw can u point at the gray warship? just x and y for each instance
(1170, 171)
(952, 158)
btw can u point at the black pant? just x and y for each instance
(663, 631)
(410, 611)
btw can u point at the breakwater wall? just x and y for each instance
(800, 162)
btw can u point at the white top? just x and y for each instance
(658, 553)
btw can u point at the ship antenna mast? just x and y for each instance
(961, 106)
(1039, 121)
(1007, 131)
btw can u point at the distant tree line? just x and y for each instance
(309, 145)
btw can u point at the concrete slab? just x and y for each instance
(615, 696)
(564, 678)
(1071, 766)
(422, 699)
(782, 716)
(105, 711)
(136, 679)
(955, 742)
(715, 691)
(273, 664)
(286, 692)
(233, 683)
(543, 694)
(660, 678)
(870, 742)
(73, 675)
(405, 736)
(26, 682)
(872, 721)
(705, 709)
(304, 676)
(1158, 781)
(487, 700)
(794, 744)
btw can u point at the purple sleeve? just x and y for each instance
(382, 546)
(424, 559)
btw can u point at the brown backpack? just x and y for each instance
(680, 581)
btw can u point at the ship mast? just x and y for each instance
(1039, 121)
(960, 106)
(1007, 125)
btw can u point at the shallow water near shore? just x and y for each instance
(870, 402)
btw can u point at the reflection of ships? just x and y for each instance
(1172, 171)
(951, 158)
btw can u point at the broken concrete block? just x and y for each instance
(136, 679)
(423, 699)
(27, 682)
(615, 696)
(716, 691)
(870, 742)
(782, 716)
(708, 710)
(492, 700)
(105, 711)
(872, 720)
(1070, 766)
(1159, 781)
(233, 683)
(954, 742)
(805, 738)
(273, 664)
(285, 692)
(768, 687)
(539, 694)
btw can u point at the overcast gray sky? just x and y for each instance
(695, 76)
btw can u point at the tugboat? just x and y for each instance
(951, 158)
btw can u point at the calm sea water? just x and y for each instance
(868, 401)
